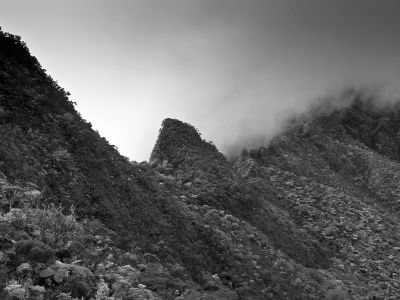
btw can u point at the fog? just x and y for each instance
(233, 69)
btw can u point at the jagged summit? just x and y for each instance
(179, 141)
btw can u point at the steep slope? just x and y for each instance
(211, 180)
(49, 151)
(209, 188)
(311, 216)
(48, 147)
(46, 143)
(79, 220)
(336, 173)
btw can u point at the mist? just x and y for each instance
(234, 69)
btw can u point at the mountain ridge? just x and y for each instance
(312, 215)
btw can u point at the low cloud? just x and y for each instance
(234, 69)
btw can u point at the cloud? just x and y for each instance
(234, 69)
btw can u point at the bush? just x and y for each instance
(24, 291)
(73, 279)
(34, 251)
(337, 294)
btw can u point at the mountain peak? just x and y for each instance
(178, 140)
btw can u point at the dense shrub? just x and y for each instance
(34, 251)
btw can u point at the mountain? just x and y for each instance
(336, 173)
(311, 215)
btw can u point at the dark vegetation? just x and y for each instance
(311, 216)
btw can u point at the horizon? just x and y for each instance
(235, 70)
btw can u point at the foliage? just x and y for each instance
(313, 215)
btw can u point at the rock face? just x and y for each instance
(312, 215)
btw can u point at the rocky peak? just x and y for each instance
(178, 142)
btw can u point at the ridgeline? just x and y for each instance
(312, 215)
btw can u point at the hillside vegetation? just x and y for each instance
(312, 215)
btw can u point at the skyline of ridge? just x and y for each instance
(234, 69)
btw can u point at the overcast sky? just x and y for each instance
(233, 69)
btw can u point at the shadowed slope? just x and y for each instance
(200, 168)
